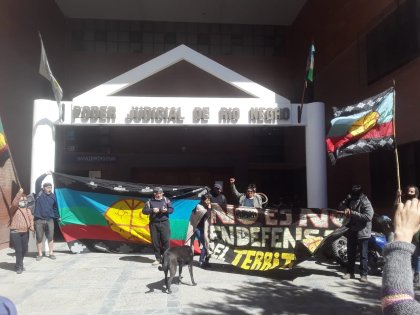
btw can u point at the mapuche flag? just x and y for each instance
(363, 127)
(105, 215)
(4, 148)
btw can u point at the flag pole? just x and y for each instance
(397, 163)
(300, 108)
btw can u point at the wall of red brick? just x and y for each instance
(339, 30)
(19, 63)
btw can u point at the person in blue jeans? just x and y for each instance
(198, 228)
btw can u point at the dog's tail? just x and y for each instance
(165, 264)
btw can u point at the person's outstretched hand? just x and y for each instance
(407, 220)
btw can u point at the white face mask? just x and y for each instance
(22, 204)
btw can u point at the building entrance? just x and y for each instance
(271, 157)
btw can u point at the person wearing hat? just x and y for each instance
(45, 213)
(358, 209)
(217, 196)
(159, 208)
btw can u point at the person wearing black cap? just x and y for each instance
(159, 208)
(217, 196)
(45, 213)
(358, 209)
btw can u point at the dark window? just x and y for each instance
(384, 173)
(394, 42)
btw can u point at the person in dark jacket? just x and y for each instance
(45, 213)
(358, 209)
(217, 196)
(159, 208)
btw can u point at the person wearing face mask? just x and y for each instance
(358, 209)
(21, 222)
(217, 196)
(410, 192)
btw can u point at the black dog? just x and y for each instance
(177, 256)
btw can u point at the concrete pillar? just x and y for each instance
(43, 138)
(316, 167)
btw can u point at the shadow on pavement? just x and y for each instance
(158, 286)
(140, 259)
(7, 266)
(273, 297)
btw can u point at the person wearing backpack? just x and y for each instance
(159, 208)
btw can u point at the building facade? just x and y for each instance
(361, 49)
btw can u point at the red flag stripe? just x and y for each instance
(384, 130)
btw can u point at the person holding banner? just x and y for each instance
(21, 222)
(45, 213)
(250, 198)
(397, 288)
(358, 208)
(198, 227)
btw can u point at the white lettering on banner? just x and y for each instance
(220, 251)
(275, 217)
(274, 237)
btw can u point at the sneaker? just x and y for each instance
(363, 279)
(38, 258)
(156, 262)
(347, 276)
(52, 257)
(202, 264)
(19, 271)
(416, 277)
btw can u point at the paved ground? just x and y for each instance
(99, 283)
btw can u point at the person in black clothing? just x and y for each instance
(358, 208)
(217, 196)
(159, 208)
